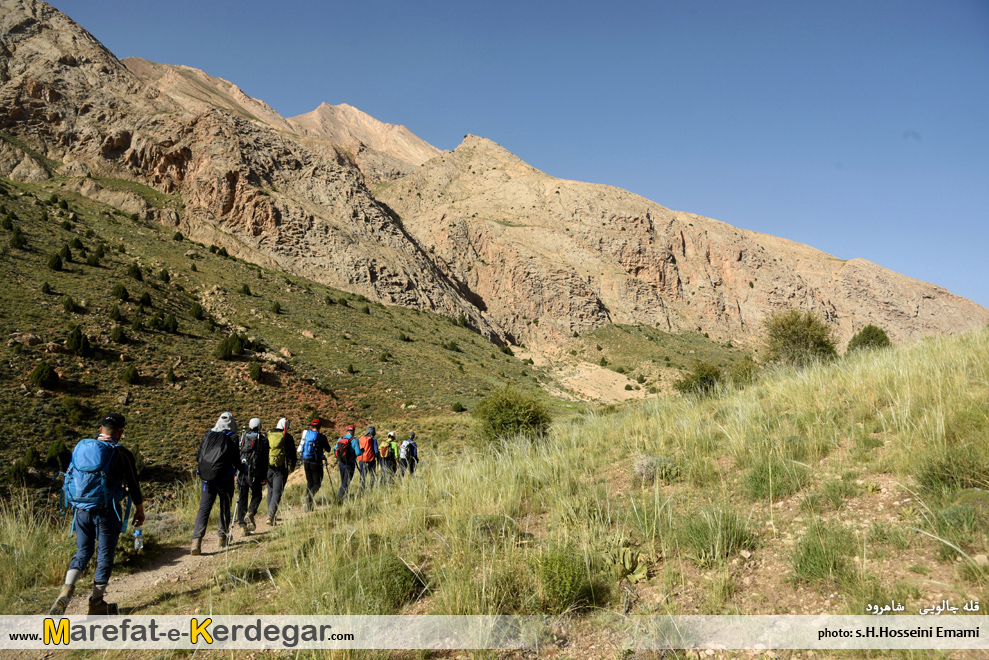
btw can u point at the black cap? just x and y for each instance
(114, 421)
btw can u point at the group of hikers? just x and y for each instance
(102, 474)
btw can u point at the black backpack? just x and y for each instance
(248, 448)
(213, 460)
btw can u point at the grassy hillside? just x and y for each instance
(325, 352)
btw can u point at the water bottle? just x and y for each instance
(138, 539)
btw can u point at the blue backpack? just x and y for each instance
(309, 452)
(86, 486)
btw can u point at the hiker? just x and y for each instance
(281, 461)
(251, 480)
(389, 458)
(219, 460)
(367, 457)
(101, 473)
(408, 454)
(311, 449)
(346, 452)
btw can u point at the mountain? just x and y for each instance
(265, 195)
(522, 256)
(549, 257)
(383, 151)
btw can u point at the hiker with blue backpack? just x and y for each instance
(311, 450)
(346, 453)
(101, 473)
(218, 459)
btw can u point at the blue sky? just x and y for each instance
(860, 128)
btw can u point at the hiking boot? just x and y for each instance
(225, 541)
(197, 547)
(271, 521)
(244, 529)
(249, 523)
(64, 596)
(101, 607)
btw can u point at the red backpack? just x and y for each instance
(343, 451)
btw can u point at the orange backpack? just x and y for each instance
(367, 449)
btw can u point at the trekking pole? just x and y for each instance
(233, 518)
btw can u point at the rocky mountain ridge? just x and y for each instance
(524, 257)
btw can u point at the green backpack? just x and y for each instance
(276, 449)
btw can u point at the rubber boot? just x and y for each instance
(97, 607)
(249, 523)
(64, 596)
(197, 547)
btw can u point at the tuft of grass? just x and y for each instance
(775, 478)
(823, 552)
(714, 534)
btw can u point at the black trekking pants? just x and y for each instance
(314, 480)
(223, 489)
(245, 487)
(346, 476)
(388, 469)
(367, 471)
(276, 486)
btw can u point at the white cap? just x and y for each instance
(255, 423)
(282, 423)
(391, 434)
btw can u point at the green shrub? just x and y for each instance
(245, 290)
(17, 240)
(54, 262)
(798, 338)
(17, 473)
(870, 337)
(255, 372)
(68, 304)
(76, 244)
(451, 346)
(66, 254)
(31, 458)
(702, 379)
(136, 325)
(365, 309)
(276, 307)
(404, 337)
(7, 223)
(375, 585)
(62, 204)
(329, 300)
(66, 225)
(744, 372)
(164, 276)
(170, 375)
(78, 343)
(714, 534)
(46, 288)
(157, 322)
(129, 374)
(171, 324)
(44, 376)
(562, 578)
(76, 412)
(177, 236)
(350, 369)
(193, 268)
(956, 467)
(58, 455)
(458, 407)
(93, 260)
(603, 362)
(222, 252)
(145, 300)
(197, 311)
(775, 477)
(822, 553)
(507, 350)
(117, 335)
(115, 314)
(343, 302)
(134, 271)
(508, 412)
(120, 292)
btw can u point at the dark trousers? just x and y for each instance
(92, 526)
(211, 491)
(276, 486)
(388, 468)
(314, 479)
(245, 488)
(367, 471)
(407, 464)
(346, 476)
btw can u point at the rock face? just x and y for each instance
(575, 256)
(475, 231)
(266, 195)
(383, 151)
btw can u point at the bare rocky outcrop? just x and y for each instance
(576, 255)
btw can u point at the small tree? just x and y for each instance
(177, 236)
(44, 376)
(66, 254)
(120, 292)
(134, 271)
(798, 338)
(170, 375)
(68, 304)
(145, 300)
(197, 312)
(77, 343)
(164, 276)
(46, 288)
(869, 338)
(701, 380)
(507, 412)
(276, 307)
(93, 260)
(129, 374)
(171, 324)
(54, 262)
(117, 335)
(245, 290)
(17, 240)
(255, 372)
